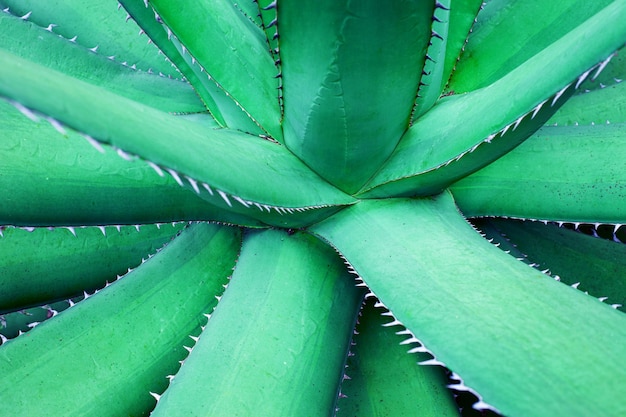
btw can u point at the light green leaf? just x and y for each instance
(214, 32)
(576, 258)
(569, 173)
(440, 147)
(264, 173)
(53, 176)
(41, 266)
(384, 380)
(528, 344)
(122, 342)
(277, 341)
(509, 32)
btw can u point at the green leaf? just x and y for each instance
(55, 52)
(594, 263)
(568, 173)
(53, 176)
(599, 106)
(526, 343)
(463, 17)
(41, 266)
(509, 32)
(384, 380)
(277, 341)
(264, 173)
(98, 26)
(440, 148)
(122, 342)
(214, 32)
(350, 75)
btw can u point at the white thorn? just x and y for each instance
(174, 174)
(26, 16)
(539, 106)
(94, 143)
(194, 184)
(155, 395)
(102, 230)
(432, 361)
(25, 111)
(225, 197)
(207, 187)
(559, 94)
(71, 229)
(582, 78)
(601, 67)
(155, 167)
(243, 203)
(124, 155)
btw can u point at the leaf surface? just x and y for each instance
(277, 341)
(41, 266)
(576, 258)
(384, 380)
(349, 81)
(215, 32)
(54, 177)
(508, 33)
(526, 343)
(441, 146)
(562, 173)
(263, 172)
(124, 340)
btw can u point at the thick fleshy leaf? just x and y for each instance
(122, 342)
(600, 106)
(382, 379)
(243, 167)
(440, 148)
(277, 341)
(452, 22)
(39, 266)
(569, 173)
(97, 26)
(349, 81)
(55, 52)
(509, 32)
(529, 345)
(590, 263)
(52, 176)
(462, 19)
(214, 32)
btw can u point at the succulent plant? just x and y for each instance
(259, 207)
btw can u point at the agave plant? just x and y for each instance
(258, 207)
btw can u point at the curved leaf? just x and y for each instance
(55, 52)
(124, 340)
(98, 26)
(277, 341)
(214, 32)
(41, 266)
(52, 176)
(458, 125)
(526, 343)
(349, 81)
(576, 258)
(568, 173)
(382, 379)
(509, 32)
(264, 172)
